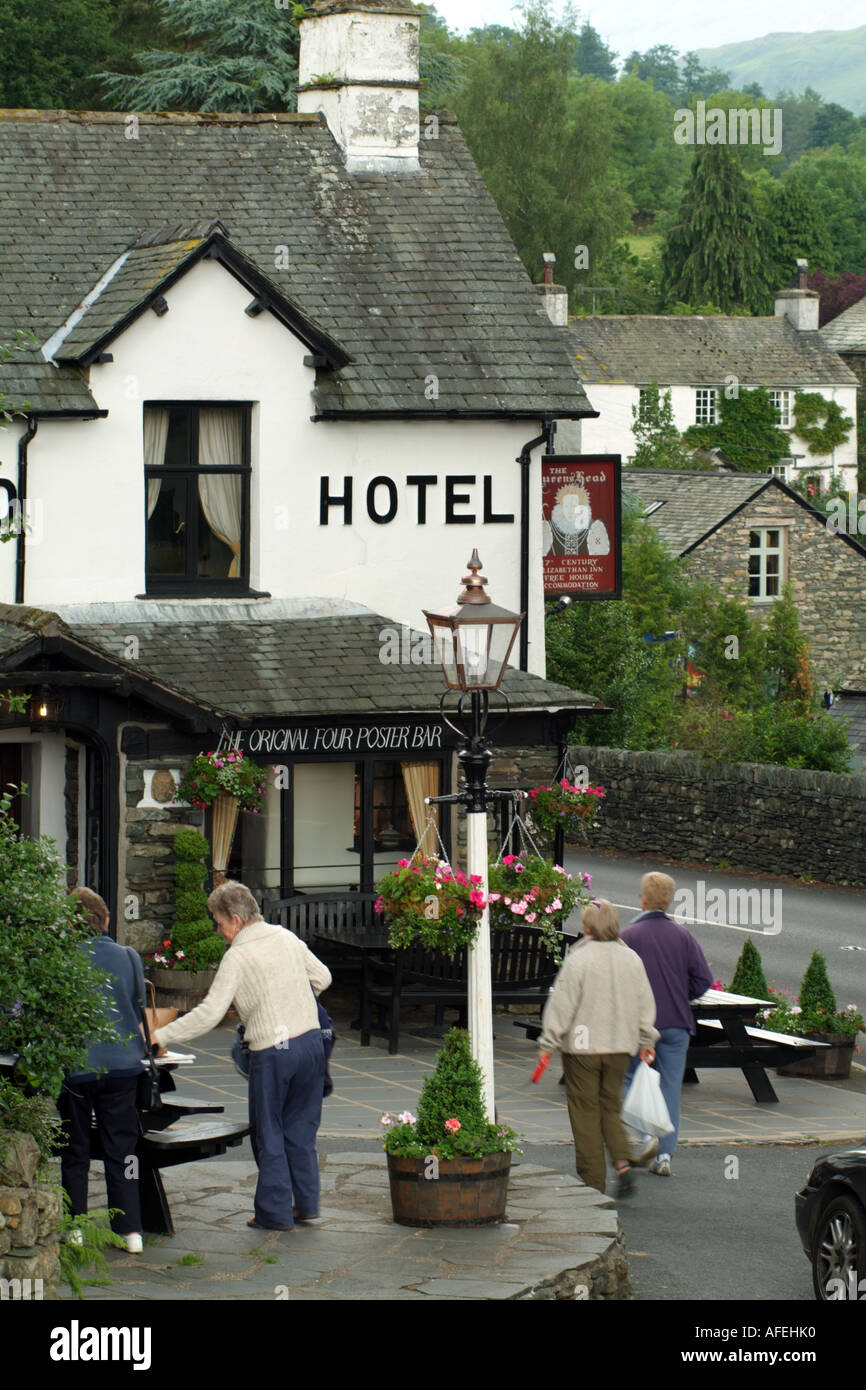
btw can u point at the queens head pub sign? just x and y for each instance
(581, 538)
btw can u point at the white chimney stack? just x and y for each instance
(800, 306)
(555, 296)
(358, 65)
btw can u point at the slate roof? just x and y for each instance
(853, 708)
(413, 275)
(694, 504)
(847, 331)
(284, 667)
(694, 351)
(27, 379)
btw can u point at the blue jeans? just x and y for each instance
(286, 1090)
(670, 1063)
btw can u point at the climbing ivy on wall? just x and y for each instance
(820, 423)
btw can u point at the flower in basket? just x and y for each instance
(451, 1120)
(210, 775)
(565, 806)
(527, 888)
(428, 902)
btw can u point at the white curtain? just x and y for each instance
(422, 780)
(220, 443)
(155, 436)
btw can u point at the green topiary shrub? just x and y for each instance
(193, 931)
(452, 1092)
(816, 992)
(749, 975)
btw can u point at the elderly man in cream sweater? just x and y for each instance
(268, 973)
(601, 1011)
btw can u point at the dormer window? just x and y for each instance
(197, 476)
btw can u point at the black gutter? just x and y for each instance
(23, 444)
(525, 459)
(436, 412)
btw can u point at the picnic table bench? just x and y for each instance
(724, 1038)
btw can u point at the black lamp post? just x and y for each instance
(473, 640)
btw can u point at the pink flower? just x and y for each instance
(476, 897)
(452, 1126)
(520, 868)
(508, 860)
(475, 878)
(180, 955)
(531, 916)
(402, 863)
(494, 897)
(556, 905)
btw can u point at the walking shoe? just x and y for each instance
(305, 1215)
(662, 1166)
(133, 1243)
(642, 1154)
(624, 1183)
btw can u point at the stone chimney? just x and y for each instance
(800, 306)
(555, 296)
(358, 65)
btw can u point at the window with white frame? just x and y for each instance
(766, 556)
(705, 405)
(779, 470)
(781, 402)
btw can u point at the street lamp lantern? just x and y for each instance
(473, 640)
(473, 637)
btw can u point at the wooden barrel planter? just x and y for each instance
(831, 1063)
(181, 989)
(449, 1192)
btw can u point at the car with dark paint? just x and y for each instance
(831, 1221)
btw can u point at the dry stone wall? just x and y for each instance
(29, 1219)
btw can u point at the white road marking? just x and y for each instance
(701, 921)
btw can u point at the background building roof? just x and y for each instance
(693, 351)
(693, 504)
(413, 276)
(847, 331)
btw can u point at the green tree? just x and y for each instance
(716, 251)
(728, 645)
(787, 658)
(192, 931)
(698, 81)
(658, 443)
(48, 51)
(655, 582)
(747, 431)
(749, 978)
(799, 230)
(833, 125)
(837, 182)
(659, 66)
(594, 58)
(651, 166)
(816, 992)
(542, 141)
(452, 1092)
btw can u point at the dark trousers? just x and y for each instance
(112, 1100)
(286, 1088)
(593, 1091)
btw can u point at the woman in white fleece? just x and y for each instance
(601, 1012)
(268, 973)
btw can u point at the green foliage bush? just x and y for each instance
(29, 1114)
(193, 931)
(749, 975)
(452, 1092)
(816, 992)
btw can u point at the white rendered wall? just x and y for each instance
(612, 433)
(46, 786)
(89, 477)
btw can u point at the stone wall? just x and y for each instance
(29, 1217)
(775, 820)
(512, 767)
(827, 576)
(146, 901)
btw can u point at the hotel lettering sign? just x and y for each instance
(363, 738)
(580, 522)
(456, 499)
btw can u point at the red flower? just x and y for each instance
(166, 943)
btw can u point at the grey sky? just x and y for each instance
(626, 25)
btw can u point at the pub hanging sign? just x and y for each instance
(581, 538)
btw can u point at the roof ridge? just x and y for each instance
(166, 117)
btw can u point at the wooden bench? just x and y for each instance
(522, 971)
(333, 925)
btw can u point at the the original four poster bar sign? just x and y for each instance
(581, 543)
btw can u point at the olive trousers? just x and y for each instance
(593, 1089)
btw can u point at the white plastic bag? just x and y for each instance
(644, 1107)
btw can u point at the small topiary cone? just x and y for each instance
(452, 1092)
(816, 992)
(749, 978)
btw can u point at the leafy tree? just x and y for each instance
(542, 141)
(48, 51)
(799, 230)
(733, 670)
(440, 64)
(798, 118)
(594, 58)
(698, 81)
(787, 656)
(747, 431)
(658, 66)
(655, 581)
(749, 978)
(715, 250)
(651, 166)
(658, 441)
(816, 992)
(838, 292)
(837, 181)
(833, 125)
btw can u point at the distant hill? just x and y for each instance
(832, 61)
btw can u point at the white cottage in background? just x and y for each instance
(287, 372)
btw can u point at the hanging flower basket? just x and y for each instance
(525, 888)
(428, 902)
(565, 806)
(211, 775)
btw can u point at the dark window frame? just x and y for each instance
(191, 584)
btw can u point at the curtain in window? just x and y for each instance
(420, 780)
(155, 436)
(220, 443)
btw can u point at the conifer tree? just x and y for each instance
(717, 251)
(816, 992)
(453, 1092)
(749, 978)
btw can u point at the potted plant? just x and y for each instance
(565, 806)
(428, 902)
(524, 888)
(230, 783)
(450, 1166)
(815, 1015)
(182, 967)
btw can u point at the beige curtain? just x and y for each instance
(420, 780)
(155, 436)
(225, 820)
(220, 443)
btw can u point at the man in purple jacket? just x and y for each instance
(678, 972)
